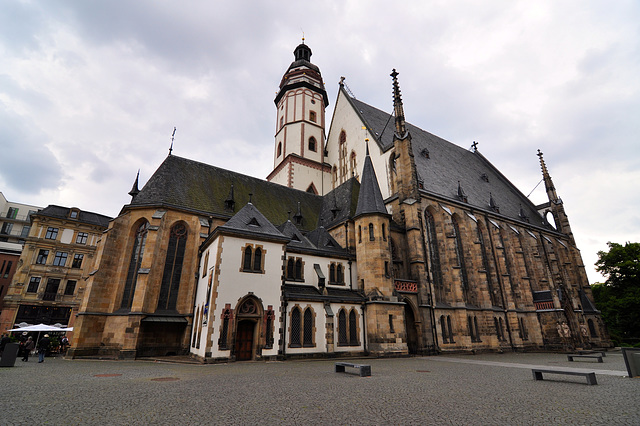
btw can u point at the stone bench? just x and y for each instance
(595, 356)
(364, 370)
(589, 352)
(591, 376)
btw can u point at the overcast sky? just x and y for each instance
(90, 91)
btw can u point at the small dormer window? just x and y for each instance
(253, 222)
(73, 214)
(425, 153)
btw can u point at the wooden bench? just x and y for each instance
(365, 370)
(596, 356)
(591, 376)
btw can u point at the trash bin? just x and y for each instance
(9, 355)
(632, 361)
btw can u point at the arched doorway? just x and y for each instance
(244, 340)
(249, 316)
(410, 326)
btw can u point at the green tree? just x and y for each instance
(619, 297)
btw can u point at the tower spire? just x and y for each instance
(134, 189)
(548, 183)
(555, 203)
(397, 106)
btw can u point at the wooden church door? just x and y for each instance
(244, 340)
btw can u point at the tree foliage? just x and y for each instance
(619, 297)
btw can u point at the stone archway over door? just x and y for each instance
(410, 326)
(244, 340)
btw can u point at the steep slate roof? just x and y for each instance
(83, 216)
(250, 222)
(194, 186)
(324, 242)
(307, 292)
(298, 240)
(447, 164)
(370, 198)
(343, 200)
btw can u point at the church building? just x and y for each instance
(373, 237)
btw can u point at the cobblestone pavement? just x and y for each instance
(454, 389)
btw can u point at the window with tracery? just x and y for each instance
(170, 284)
(135, 261)
(460, 259)
(434, 256)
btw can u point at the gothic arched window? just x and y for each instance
(332, 273)
(299, 269)
(353, 328)
(312, 144)
(339, 274)
(290, 268)
(434, 256)
(307, 335)
(134, 265)
(371, 235)
(173, 268)
(248, 255)
(342, 328)
(257, 259)
(279, 149)
(460, 258)
(295, 327)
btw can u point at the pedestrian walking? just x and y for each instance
(43, 346)
(27, 348)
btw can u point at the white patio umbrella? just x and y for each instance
(39, 328)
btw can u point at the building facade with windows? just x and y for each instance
(15, 220)
(52, 270)
(375, 237)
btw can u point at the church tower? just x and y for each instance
(299, 157)
(385, 324)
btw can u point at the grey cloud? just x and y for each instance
(27, 164)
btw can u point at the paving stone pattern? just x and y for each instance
(461, 389)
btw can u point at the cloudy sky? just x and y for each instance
(90, 91)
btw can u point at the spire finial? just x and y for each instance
(172, 136)
(397, 105)
(366, 141)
